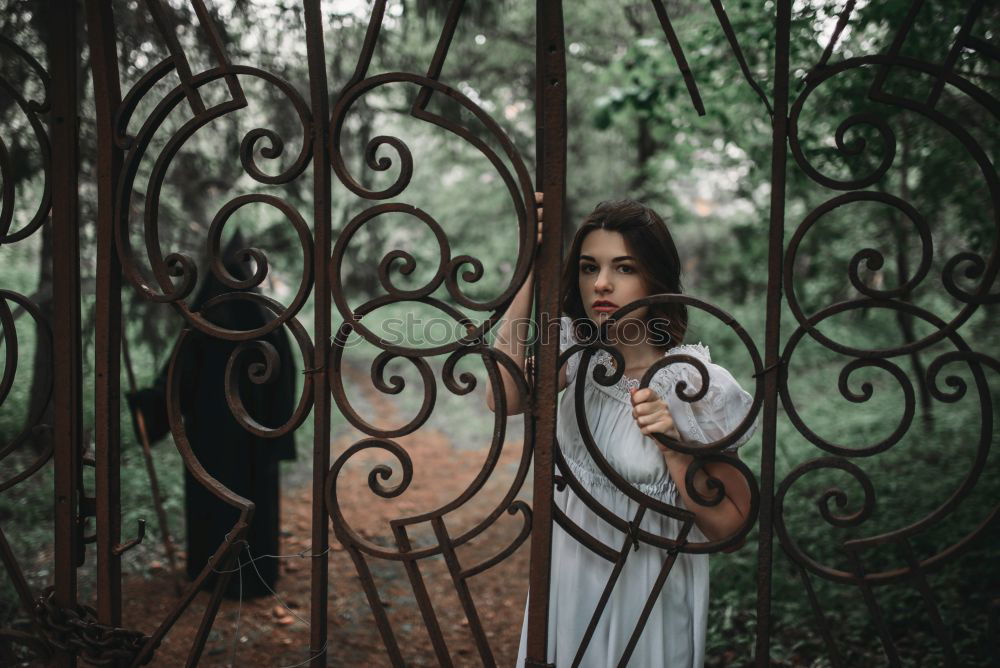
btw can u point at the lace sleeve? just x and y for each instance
(715, 415)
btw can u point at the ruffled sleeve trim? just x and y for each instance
(714, 416)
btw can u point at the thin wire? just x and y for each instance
(300, 555)
(317, 654)
(273, 593)
(252, 559)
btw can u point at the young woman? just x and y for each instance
(621, 253)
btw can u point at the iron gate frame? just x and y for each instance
(321, 126)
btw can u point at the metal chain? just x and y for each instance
(78, 631)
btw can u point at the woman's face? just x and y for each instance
(609, 277)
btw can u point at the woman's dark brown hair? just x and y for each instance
(649, 242)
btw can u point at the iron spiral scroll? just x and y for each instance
(170, 278)
(849, 510)
(629, 529)
(451, 273)
(20, 460)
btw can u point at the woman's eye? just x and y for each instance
(626, 269)
(586, 268)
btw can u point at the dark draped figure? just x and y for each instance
(243, 462)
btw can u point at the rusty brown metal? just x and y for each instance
(550, 140)
(147, 458)
(67, 356)
(176, 274)
(854, 566)
(107, 433)
(317, 375)
(33, 428)
(404, 551)
(631, 534)
(772, 356)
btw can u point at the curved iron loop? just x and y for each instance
(709, 452)
(349, 536)
(395, 385)
(32, 424)
(985, 271)
(267, 372)
(32, 110)
(867, 391)
(174, 265)
(379, 473)
(836, 495)
(234, 538)
(872, 258)
(520, 188)
(878, 359)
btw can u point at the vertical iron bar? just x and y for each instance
(874, 610)
(550, 166)
(464, 594)
(320, 103)
(67, 420)
(821, 624)
(107, 446)
(382, 622)
(654, 594)
(779, 152)
(919, 580)
(630, 541)
(423, 598)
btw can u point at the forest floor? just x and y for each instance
(274, 630)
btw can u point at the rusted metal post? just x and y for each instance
(67, 420)
(107, 446)
(550, 141)
(154, 480)
(765, 545)
(320, 102)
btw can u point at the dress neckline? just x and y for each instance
(622, 388)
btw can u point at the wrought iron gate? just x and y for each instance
(72, 632)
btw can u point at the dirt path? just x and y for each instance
(273, 632)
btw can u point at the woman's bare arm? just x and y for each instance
(726, 518)
(652, 415)
(512, 334)
(512, 340)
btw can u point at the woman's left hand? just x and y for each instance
(652, 415)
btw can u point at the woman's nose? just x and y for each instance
(603, 282)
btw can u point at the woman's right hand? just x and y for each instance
(539, 214)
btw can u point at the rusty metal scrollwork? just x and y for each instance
(629, 529)
(175, 275)
(856, 507)
(33, 216)
(450, 271)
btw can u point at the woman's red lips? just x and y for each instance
(604, 305)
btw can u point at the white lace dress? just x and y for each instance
(674, 634)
